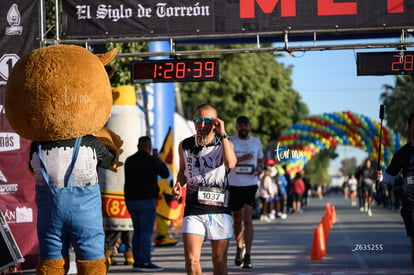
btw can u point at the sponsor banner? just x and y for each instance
(149, 18)
(114, 206)
(19, 34)
(9, 142)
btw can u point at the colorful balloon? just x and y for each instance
(300, 142)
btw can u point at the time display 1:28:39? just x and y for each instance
(175, 70)
(179, 70)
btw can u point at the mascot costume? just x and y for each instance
(60, 98)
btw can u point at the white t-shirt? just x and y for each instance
(352, 184)
(244, 174)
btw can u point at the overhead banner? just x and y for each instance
(19, 34)
(149, 18)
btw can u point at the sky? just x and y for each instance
(327, 82)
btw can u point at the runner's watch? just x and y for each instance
(224, 136)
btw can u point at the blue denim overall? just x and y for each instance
(69, 216)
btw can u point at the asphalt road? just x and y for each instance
(357, 244)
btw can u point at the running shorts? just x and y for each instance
(213, 227)
(239, 196)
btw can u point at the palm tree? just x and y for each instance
(399, 101)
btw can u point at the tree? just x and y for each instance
(316, 169)
(399, 101)
(349, 166)
(122, 66)
(251, 84)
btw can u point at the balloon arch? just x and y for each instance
(300, 142)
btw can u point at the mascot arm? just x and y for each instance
(113, 142)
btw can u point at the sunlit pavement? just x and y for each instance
(285, 246)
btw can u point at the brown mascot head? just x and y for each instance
(59, 92)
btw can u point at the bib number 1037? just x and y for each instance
(212, 196)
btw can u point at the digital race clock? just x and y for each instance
(167, 70)
(385, 63)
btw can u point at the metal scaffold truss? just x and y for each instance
(289, 40)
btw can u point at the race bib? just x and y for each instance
(368, 181)
(213, 196)
(244, 169)
(410, 180)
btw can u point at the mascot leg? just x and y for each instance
(52, 267)
(162, 238)
(126, 238)
(95, 267)
(129, 258)
(108, 258)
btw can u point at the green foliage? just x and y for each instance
(349, 166)
(50, 19)
(122, 66)
(317, 168)
(399, 101)
(251, 84)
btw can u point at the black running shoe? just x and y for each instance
(239, 256)
(246, 262)
(147, 268)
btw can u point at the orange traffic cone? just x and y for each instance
(327, 225)
(318, 244)
(323, 239)
(328, 209)
(333, 215)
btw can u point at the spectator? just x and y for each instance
(305, 196)
(298, 188)
(367, 185)
(353, 185)
(141, 190)
(282, 184)
(345, 187)
(266, 192)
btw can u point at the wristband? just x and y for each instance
(224, 136)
